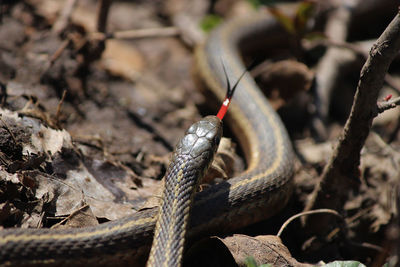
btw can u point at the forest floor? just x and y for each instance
(87, 125)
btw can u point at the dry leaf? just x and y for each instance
(235, 250)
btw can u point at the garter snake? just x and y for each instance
(258, 193)
(190, 161)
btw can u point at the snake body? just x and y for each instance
(258, 193)
(190, 160)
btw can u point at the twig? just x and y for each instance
(137, 34)
(102, 14)
(56, 55)
(58, 112)
(370, 246)
(80, 209)
(187, 16)
(385, 105)
(97, 46)
(341, 172)
(59, 51)
(305, 213)
(62, 22)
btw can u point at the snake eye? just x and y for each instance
(217, 139)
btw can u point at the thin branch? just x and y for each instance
(65, 16)
(75, 212)
(102, 14)
(56, 55)
(370, 246)
(341, 173)
(59, 51)
(60, 103)
(385, 105)
(138, 34)
(305, 213)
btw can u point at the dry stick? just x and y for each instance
(385, 105)
(342, 172)
(138, 34)
(59, 51)
(80, 209)
(305, 213)
(97, 46)
(145, 33)
(329, 237)
(58, 112)
(389, 80)
(102, 15)
(59, 26)
(336, 30)
(186, 17)
(63, 20)
(56, 55)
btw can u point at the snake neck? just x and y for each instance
(169, 237)
(191, 159)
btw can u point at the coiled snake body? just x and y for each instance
(258, 193)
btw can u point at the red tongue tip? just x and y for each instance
(224, 108)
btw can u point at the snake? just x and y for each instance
(257, 193)
(190, 161)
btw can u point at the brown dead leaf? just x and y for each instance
(122, 59)
(155, 200)
(69, 176)
(82, 217)
(284, 80)
(235, 250)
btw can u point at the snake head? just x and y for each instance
(201, 141)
